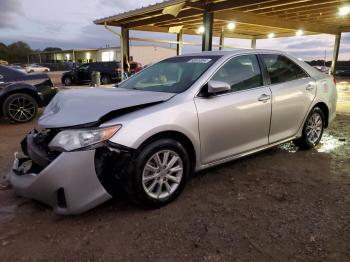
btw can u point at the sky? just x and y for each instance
(69, 24)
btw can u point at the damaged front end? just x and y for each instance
(71, 165)
(71, 182)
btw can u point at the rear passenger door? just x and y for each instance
(293, 91)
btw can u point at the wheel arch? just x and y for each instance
(26, 91)
(325, 110)
(178, 136)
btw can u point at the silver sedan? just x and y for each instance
(181, 115)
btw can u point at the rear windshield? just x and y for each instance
(172, 75)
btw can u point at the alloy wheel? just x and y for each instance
(162, 174)
(22, 109)
(314, 128)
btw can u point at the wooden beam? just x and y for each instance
(345, 29)
(297, 8)
(162, 18)
(274, 22)
(225, 5)
(277, 5)
(311, 12)
(180, 21)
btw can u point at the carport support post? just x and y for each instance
(335, 54)
(125, 46)
(179, 43)
(120, 35)
(253, 43)
(207, 39)
(222, 39)
(73, 56)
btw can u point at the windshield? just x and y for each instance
(173, 75)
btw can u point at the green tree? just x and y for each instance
(51, 49)
(18, 52)
(3, 52)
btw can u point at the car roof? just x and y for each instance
(234, 52)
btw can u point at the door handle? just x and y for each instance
(310, 87)
(264, 98)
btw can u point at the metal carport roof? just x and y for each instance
(252, 19)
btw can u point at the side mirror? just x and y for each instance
(215, 87)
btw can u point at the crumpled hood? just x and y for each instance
(84, 106)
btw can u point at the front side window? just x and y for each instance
(240, 73)
(84, 67)
(172, 75)
(281, 69)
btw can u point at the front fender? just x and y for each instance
(139, 126)
(19, 88)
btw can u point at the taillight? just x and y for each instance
(334, 81)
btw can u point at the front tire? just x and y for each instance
(312, 130)
(159, 173)
(20, 108)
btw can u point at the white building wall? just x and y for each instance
(150, 54)
(142, 54)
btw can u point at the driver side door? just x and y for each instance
(239, 120)
(83, 73)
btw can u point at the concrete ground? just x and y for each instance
(279, 205)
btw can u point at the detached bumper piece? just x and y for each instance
(67, 181)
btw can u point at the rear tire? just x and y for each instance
(156, 181)
(67, 81)
(105, 80)
(312, 130)
(20, 108)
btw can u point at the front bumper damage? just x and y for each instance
(68, 182)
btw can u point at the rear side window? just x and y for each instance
(240, 73)
(281, 69)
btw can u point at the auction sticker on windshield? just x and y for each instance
(199, 60)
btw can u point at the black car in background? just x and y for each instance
(110, 72)
(343, 73)
(21, 94)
